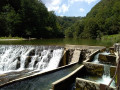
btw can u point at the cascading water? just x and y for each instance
(95, 60)
(106, 76)
(17, 58)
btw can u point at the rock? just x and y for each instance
(107, 59)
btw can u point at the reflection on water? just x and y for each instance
(59, 42)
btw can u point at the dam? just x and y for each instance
(60, 75)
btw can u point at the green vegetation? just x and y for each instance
(113, 38)
(103, 19)
(27, 18)
(30, 18)
(18, 38)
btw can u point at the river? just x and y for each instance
(60, 42)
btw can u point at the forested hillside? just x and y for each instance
(103, 19)
(66, 22)
(30, 18)
(27, 18)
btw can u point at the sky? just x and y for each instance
(70, 7)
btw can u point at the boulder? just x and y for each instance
(107, 59)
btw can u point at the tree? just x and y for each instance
(11, 19)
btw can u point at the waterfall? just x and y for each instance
(106, 76)
(95, 60)
(106, 70)
(22, 57)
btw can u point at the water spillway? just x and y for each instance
(42, 82)
(106, 76)
(26, 57)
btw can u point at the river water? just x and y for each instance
(58, 42)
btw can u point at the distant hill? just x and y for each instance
(103, 19)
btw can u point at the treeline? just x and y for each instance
(103, 19)
(30, 18)
(66, 22)
(27, 18)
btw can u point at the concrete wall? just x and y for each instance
(82, 84)
(98, 69)
(91, 56)
(64, 59)
(36, 75)
(65, 82)
(94, 69)
(76, 56)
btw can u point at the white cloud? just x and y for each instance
(64, 8)
(87, 1)
(82, 10)
(61, 6)
(52, 5)
(56, 5)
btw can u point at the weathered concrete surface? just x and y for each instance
(76, 56)
(63, 59)
(107, 59)
(64, 82)
(67, 80)
(117, 57)
(94, 69)
(112, 50)
(30, 75)
(82, 84)
(12, 77)
(112, 70)
(84, 47)
(69, 55)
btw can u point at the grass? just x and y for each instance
(112, 38)
(19, 38)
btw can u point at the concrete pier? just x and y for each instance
(76, 56)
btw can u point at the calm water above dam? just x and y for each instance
(58, 42)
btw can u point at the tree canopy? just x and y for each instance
(30, 18)
(103, 19)
(27, 18)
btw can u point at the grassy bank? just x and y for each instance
(113, 38)
(11, 38)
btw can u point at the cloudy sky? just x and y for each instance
(70, 7)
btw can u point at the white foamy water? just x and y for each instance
(95, 60)
(18, 57)
(106, 76)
